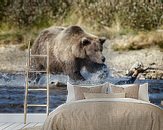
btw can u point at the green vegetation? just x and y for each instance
(139, 41)
(21, 20)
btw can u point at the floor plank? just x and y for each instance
(5, 126)
(13, 126)
(30, 125)
(18, 125)
(39, 124)
(21, 126)
(1, 124)
(19, 117)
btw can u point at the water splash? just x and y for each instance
(101, 76)
(9, 79)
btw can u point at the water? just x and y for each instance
(12, 88)
(12, 99)
(12, 92)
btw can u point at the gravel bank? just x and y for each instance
(122, 61)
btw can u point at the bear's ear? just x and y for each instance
(85, 41)
(102, 40)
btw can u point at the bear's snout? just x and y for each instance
(103, 59)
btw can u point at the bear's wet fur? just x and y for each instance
(70, 49)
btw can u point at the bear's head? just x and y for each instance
(85, 45)
(93, 48)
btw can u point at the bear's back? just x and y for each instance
(45, 36)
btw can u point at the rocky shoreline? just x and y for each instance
(14, 60)
(121, 61)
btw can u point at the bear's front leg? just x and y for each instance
(76, 76)
(73, 71)
(94, 67)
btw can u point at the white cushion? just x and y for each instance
(70, 95)
(143, 92)
(76, 92)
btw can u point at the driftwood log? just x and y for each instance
(138, 68)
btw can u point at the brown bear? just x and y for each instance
(70, 49)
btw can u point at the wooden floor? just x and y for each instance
(17, 126)
(15, 121)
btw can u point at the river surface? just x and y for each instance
(12, 93)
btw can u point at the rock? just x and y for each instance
(156, 74)
(57, 84)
